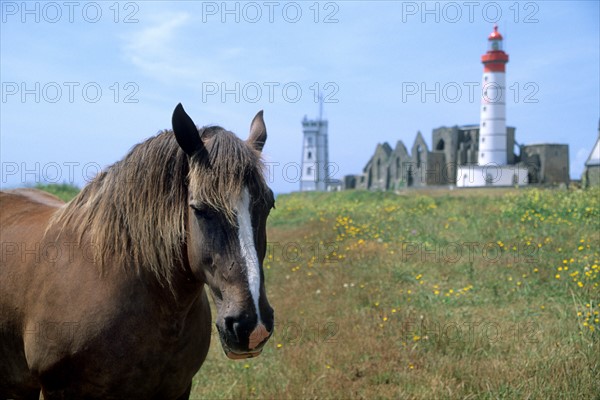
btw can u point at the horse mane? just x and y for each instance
(134, 213)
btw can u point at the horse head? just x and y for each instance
(226, 239)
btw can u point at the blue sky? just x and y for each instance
(83, 82)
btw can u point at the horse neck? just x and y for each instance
(181, 292)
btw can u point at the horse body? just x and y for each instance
(77, 326)
(90, 339)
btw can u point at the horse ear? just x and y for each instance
(186, 132)
(258, 132)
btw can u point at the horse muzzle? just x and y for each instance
(239, 344)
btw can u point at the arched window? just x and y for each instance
(419, 151)
(440, 145)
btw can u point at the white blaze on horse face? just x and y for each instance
(246, 238)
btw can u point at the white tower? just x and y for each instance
(491, 168)
(492, 126)
(315, 155)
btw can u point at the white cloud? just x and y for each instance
(174, 49)
(152, 49)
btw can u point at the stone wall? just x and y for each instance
(454, 147)
(551, 160)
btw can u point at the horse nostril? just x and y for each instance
(231, 326)
(238, 328)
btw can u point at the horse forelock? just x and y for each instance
(231, 166)
(134, 213)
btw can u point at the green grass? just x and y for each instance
(444, 295)
(448, 294)
(63, 191)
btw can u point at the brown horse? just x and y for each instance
(103, 297)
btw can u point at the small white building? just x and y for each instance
(315, 156)
(491, 175)
(591, 173)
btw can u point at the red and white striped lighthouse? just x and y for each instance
(492, 167)
(492, 126)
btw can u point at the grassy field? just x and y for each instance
(63, 191)
(441, 295)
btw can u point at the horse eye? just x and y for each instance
(202, 211)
